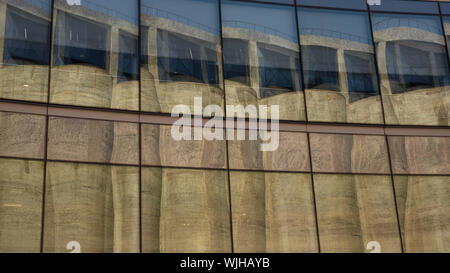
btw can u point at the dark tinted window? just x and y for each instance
(414, 65)
(361, 78)
(26, 38)
(236, 65)
(181, 58)
(275, 73)
(128, 58)
(320, 67)
(80, 41)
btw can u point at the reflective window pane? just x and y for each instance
(22, 135)
(339, 66)
(446, 21)
(349, 154)
(272, 212)
(181, 54)
(413, 67)
(350, 4)
(93, 141)
(95, 55)
(353, 210)
(94, 205)
(21, 184)
(261, 61)
(407, 6)
(24, 49)
(290, 153)
(160, 148)
(420, 155)
(424, 212)
(185, 211)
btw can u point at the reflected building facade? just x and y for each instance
(87, 154)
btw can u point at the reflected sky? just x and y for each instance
(270, 19)
(428, 23)
(345, 25)
(201, 14)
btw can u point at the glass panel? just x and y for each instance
(181, 54)
(413, 68)
(445, 8)
(350, 4)
(349, 154)
(159, 148)
(291, 153)
(21, 183)
(424, 212)
(185, 211)
(24, 49)
(353, 210)
(272, 212)
(93, 141)
(407, 6)
(339, 66)
(95, 58)
(22, 135)
(420, 155)
(94, 205)
(446, 21)
(261, 60)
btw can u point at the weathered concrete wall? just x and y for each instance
(353, 210)
(22, 135)
(21, 184)
(93, 141)
(424, 206)
(185, 211)
(272, 212)
(95, 205)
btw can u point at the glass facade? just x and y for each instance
(87, 146)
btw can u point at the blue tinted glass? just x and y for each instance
(201, 14)
(96, 47)
(349, 4)
(269, 19)
(445, 8)
(25, 53)
(180, 53)
(339, 66)
(413, 67)
(291, 2)
(407, 6)
(426, 23)
(26, 38)
(128, 68)
(261, 56)
(344, 25)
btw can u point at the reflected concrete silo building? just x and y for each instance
(87, 146)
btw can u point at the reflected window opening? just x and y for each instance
(362, 82)
(26, 38)
(415, 65)
(128, 69)
(276, 71)
(80, 41)
(236, 61)
(186, 59)
(321, 68)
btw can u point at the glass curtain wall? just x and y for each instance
(181, 54)
(95, 58)
(413, 65)
(24, 49)
(261, 59)
(339, 66)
